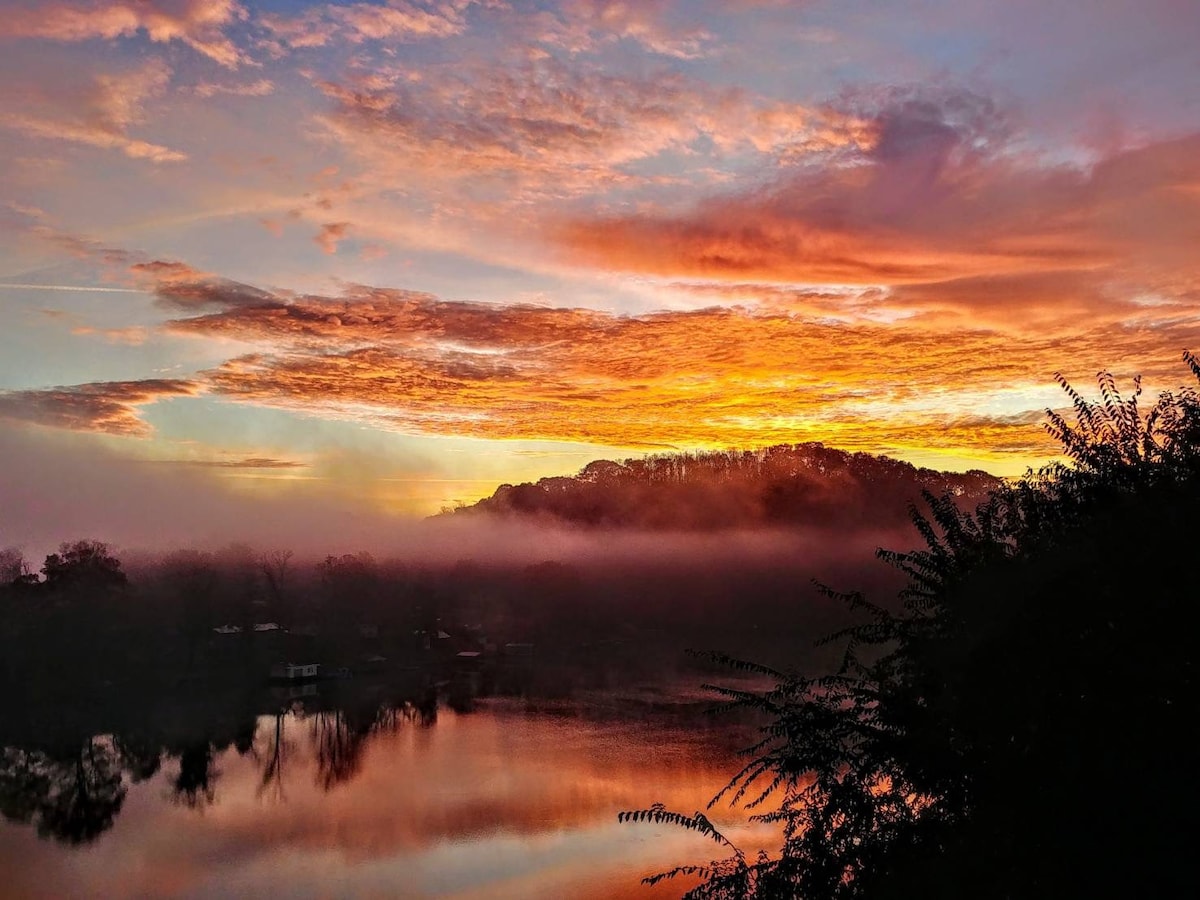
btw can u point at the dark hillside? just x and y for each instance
(782, 486)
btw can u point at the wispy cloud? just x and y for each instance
(357, 22)
(508, 142)
(585, 25)
(249, 462)
(260, 88)
(200, 24)
(109, 407)
(100, 116)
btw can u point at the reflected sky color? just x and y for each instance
(383, 256)
(492, 804)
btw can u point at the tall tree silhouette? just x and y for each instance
(1020, 726)
(83, 564)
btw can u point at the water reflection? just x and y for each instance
(422, 786)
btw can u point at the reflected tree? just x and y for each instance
(273, 757)
(195, 784)
(340, 743)
(73, 798)
(139, 755)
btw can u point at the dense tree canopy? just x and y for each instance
(788, 485)
(1021, 726)
(83, 564)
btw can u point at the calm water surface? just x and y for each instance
(502, 801)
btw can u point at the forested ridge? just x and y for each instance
(784, 485)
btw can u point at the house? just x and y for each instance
(292, 672)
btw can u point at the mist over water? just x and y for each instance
(72, 489)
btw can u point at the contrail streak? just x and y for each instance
(12, 285)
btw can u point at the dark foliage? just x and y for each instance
(1021, 727)
(785, 485)
(83, 565)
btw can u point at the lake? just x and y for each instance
(347, 796)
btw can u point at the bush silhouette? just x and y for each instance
(1020, 727)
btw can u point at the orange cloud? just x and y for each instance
(331, 234)
(358, 22)
(937, 191)
(583, 25)
(198, 23)
(109, 407)
(179, 286)
(705, 378)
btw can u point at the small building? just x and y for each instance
(292, 672)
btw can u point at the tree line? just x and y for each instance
(788, 485)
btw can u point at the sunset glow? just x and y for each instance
(386, 256)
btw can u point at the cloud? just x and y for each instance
(357, 22)
(99, 115)
(134, 335)
(540, 130)
(109, 407)
(250, 462)
(938, 191)
(260, 88)
(331, 234)
(739, 376)
(198, 23)
(179, 286)
(586, 25)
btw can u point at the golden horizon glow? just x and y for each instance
(432, 236)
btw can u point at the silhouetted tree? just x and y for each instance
(274, 565)
(83, 564)
(14, 568)
(193, 578)
(1021, 726)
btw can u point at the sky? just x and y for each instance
(376, 258)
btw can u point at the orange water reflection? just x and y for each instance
(496, 803)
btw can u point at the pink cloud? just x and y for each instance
(937, 191)
(260, 88)
(330, 235)
(542, 130)
(405, 20)
(585, 25)
(100, 115)
(198, 23)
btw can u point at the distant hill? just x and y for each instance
(789, 485)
